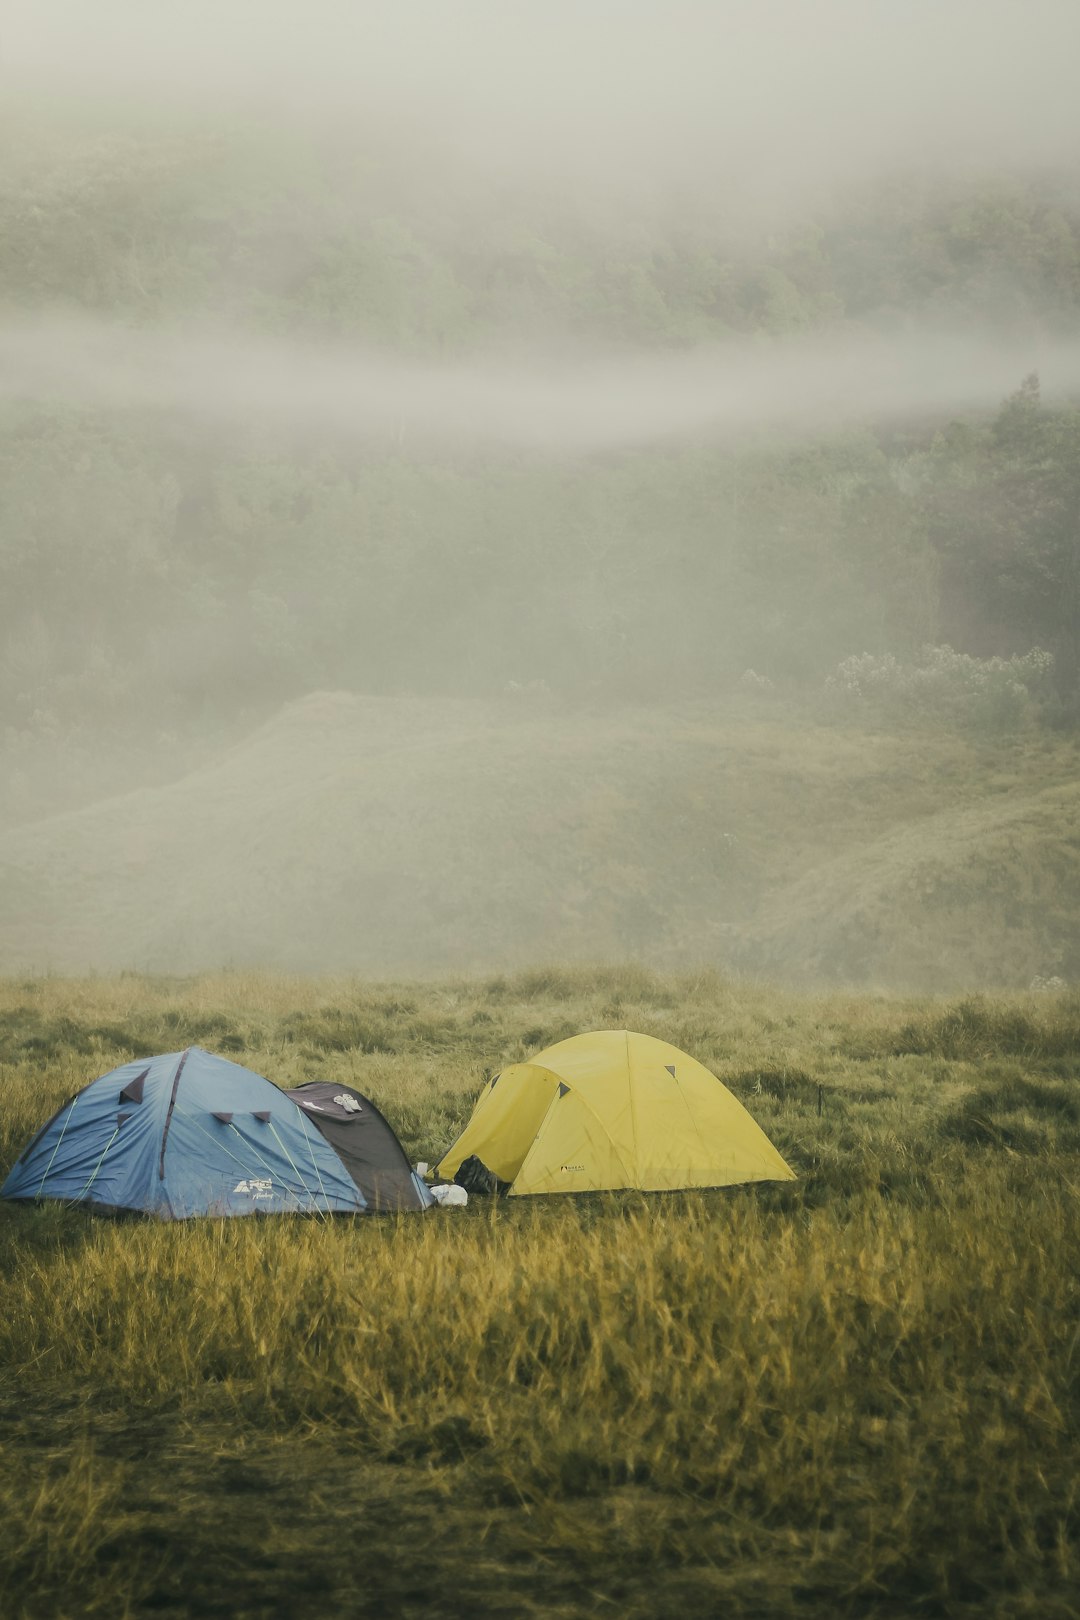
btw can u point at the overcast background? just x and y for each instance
(771, 94)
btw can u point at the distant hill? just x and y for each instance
(391, 835)
(986, 893)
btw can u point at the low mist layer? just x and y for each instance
(575, 406)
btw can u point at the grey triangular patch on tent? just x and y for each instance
(670, 1067)
(263, 1114)
(226, 1119)
(563, 1089)
(133, 1091)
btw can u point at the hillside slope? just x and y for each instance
(389, 835)
(983, 894)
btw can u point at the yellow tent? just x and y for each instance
(613, 1109)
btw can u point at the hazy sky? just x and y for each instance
(769, 95)
(751, 98)
(744, 102)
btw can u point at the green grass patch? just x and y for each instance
(853, 1394)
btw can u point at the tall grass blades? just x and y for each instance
(852, 1394)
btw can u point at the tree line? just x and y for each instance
(152, 573)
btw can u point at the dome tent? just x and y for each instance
(189, 1133)
(613, 1109)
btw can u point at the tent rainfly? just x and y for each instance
(613, 1109)
(190, 1133)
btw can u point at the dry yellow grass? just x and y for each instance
(852, 1394)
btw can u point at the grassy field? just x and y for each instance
(854, 1394)
(414, 836)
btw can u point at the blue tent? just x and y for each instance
(193, 1134)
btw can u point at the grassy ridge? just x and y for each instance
(851, 1394)
(400, 835)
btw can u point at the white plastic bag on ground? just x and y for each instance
(449, 1195)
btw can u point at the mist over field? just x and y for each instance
(519, 519)
(490, 483)
(574, 404)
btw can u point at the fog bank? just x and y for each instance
(583, 404)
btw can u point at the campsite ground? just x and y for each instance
(852, 1394)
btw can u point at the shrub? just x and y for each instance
(980, 1027)
(944, 687)
(757, 685)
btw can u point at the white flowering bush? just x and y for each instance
(944, 686)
